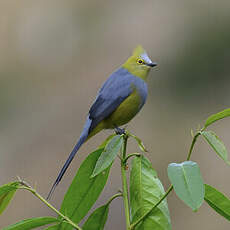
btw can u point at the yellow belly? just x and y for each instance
(122, 115)
(125, 111)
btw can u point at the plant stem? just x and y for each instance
(147, 213)
(192, 145)
(50, 206)
(124, 182)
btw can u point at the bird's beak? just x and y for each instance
(151, 64)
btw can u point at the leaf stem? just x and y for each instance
(147, 213)
(131, 155)
(192, 145)
(124, 182)
(114, 197)
(138, 140)
(29, 188)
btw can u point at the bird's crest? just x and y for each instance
(138, 51)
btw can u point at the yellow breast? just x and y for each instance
(125, 111)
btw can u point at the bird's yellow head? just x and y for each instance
(139, 63)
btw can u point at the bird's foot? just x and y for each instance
(119, 131)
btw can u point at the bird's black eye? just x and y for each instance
(140, 61)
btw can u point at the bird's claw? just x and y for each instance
(119, 131)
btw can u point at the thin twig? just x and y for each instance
(27, 187)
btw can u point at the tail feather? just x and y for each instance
(81, 140)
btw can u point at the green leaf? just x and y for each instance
(108, 155)
(104, 143)
(218, 201)
(145, 191)
(31, 223)
(216, 144)
(6, 194)
(53, 227)
(84, 191)
(97, 219)
(187, 183)
(215, 117)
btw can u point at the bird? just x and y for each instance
(119, 99)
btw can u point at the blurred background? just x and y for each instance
(56, 54)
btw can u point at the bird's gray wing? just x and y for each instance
(113, 92)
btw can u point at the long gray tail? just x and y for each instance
(81, 140)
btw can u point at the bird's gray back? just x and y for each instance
(122, 77)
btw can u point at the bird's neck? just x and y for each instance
(138, 72)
